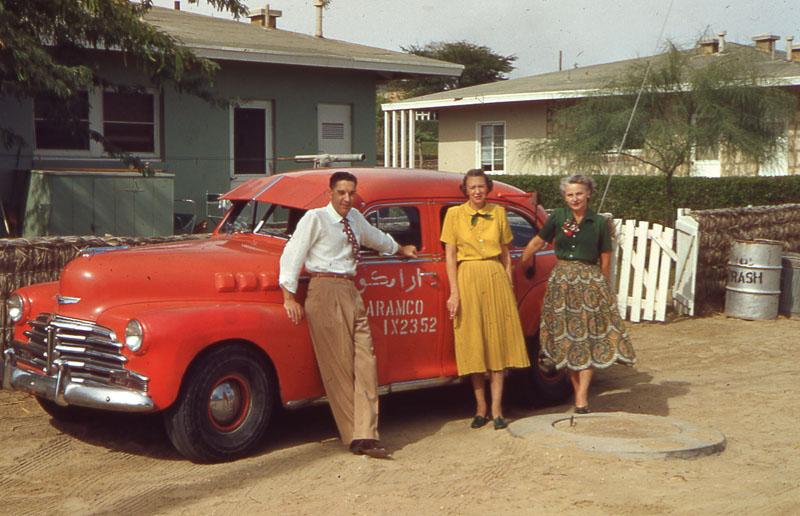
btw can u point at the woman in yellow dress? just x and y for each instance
(488, 332)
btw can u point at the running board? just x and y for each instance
(412, 385)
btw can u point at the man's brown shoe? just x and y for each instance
(370, 448)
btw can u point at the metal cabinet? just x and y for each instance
(77, 202)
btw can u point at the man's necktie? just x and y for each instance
(351, 237)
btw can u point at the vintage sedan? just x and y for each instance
(196, 330)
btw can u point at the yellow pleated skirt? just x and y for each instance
(488, 332)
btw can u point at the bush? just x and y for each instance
(643, 197)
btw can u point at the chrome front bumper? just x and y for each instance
(61, 390)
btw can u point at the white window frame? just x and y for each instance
(269, 157)
(478, 163)
(779, 165)
(96, 120)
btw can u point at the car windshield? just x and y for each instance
(262, 218)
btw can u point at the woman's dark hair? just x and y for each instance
(342, 176)
(476, 172)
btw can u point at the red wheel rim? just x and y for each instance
(229, 402)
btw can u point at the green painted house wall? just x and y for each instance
(196, 135)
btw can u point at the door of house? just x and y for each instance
(251, 141)
(334, 129)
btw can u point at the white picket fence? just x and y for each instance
(642, 260)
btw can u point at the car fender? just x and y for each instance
(42, 296)
(173, 336)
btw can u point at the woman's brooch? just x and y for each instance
(570, 227)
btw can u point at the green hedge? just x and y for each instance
(643, 197)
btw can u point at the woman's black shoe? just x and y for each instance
(479, 421)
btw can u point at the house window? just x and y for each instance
(129, 121)
(492, 146)
(52, 133)
(252, 138)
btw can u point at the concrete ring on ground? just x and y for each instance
(632, 436)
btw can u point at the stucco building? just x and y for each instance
(487, 126)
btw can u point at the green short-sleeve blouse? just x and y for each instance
(586, 244)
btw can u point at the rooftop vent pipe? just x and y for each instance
(318, 6)
(721, 41)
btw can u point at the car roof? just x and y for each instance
(308, 189)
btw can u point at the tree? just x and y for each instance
(45, 48)
(481, 65)
(688, 104)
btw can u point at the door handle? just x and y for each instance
(434, 278)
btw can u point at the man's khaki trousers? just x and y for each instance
(343, 346)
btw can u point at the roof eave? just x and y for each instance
(474, 100)
(487, 99)
(373, 65)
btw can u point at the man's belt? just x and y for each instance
(331, 275)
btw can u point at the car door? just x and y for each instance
(403, 297)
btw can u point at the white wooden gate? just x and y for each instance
(688, 237)
(642, 263)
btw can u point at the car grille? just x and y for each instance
(89, 352)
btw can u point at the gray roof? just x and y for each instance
(218, 38)
(583, 81)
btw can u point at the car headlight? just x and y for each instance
(15, 307)
(133, 335)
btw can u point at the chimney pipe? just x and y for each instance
(266, 17)
(272, 17)
(318, 5)
(177, 5)
(709, 46)
(795, 53)
(789, 40)
(766, 43)
(721, 39)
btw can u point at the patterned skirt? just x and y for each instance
(581, 326)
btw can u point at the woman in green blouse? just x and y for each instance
(581, 328)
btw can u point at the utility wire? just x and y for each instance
(614, 165)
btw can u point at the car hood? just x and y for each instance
(240, 267)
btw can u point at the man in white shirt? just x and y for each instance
(326, 241)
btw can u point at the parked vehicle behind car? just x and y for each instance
(196, 330)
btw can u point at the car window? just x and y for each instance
(278, 220)
(402, 222)
(521, 228)
(241, 218)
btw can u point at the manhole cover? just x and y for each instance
(627, 435)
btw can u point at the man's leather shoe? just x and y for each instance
(370, 448)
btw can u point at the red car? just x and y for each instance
(196, 329)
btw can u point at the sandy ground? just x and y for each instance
(739, 377)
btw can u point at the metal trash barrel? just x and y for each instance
(790, 285)
(754, 279)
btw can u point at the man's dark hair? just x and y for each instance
(342, 176)
(476, 172)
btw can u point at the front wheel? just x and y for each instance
(543, 383)
(225, 405)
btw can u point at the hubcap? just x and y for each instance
(228, 402)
